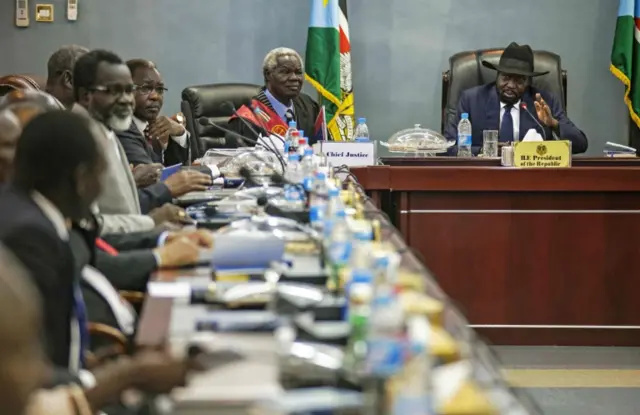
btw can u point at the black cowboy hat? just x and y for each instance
(516, 60)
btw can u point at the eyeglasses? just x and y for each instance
(147, 89)
(115, 89)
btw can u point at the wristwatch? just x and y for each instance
(179, 117)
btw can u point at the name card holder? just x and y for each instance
(542, 154)
(350, 153)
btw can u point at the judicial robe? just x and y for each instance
(305, 110)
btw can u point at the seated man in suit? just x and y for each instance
(278, 102)
(157, 140)
(505, 104)
(24, 370)
(57, 176)
(141, 253)
(152, 138)
(104, 88)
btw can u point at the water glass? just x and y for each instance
(490, 143)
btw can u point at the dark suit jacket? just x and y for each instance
(140, 151)
(29, 234)
(483, 106)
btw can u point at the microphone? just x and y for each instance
(208, 123)
(228, 105)
(523, 105)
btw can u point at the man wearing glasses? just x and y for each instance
(151, 137)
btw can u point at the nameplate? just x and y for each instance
(542, 154)
(340, 153)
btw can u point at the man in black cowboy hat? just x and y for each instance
(502, 105)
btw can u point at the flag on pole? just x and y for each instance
(625, 55)
(328, 65)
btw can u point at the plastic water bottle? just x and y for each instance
(334, 205)
(362, 131)
(310, 162)
(361, 258)
(318, 201)
(386, 342)
(293, 174)
(288, 137)
(303, 145)
(338, 248)
(464, 136)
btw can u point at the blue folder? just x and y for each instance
(170, 171)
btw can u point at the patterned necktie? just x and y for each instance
(506, 127)
(289, 116)
(147, 136)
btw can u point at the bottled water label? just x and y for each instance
(385, 356)
(307, 182)
(339, 252)
(464, 140)
(292, 193)
(315, 214)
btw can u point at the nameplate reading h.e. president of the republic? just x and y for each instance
(542, 154)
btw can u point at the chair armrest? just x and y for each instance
(133, 297)
(105, 353)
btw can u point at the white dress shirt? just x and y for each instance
(515, 115)
(181, 140)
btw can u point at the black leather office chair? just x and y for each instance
(466, 71)
(205, 101)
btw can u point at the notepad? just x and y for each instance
(170, 171)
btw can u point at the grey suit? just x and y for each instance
(118, 203)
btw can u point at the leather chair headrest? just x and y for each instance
(206, 101)
(22, 82)
(39, 99)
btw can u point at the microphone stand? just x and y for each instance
(523, 105)
(208, 122)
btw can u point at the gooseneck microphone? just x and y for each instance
(208, 123)
(228, 105)
(523, 105)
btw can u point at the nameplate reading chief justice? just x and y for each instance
(542, 154)
(504, 105)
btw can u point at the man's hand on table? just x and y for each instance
(186, 181)
(178, 252)
(159, 373)
(147, 174)
(202, 238)
(169, 213)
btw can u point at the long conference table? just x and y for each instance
(165, 321)
(531, 256)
